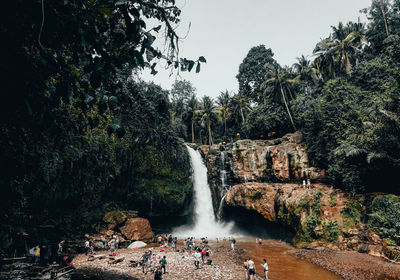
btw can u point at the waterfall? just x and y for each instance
(222, 174)
(205, 223)
(221, 207)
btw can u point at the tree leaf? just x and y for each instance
(191, 64)
(202, 59)
(198, 68)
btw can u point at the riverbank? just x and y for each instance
(285, 262)
(352, 265)
(180, 265)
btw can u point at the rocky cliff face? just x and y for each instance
(266, 176)
(321, 217)
(279, 160)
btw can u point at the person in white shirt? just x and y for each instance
(265, 265)
(197, 256)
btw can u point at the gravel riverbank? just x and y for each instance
(180, 265)
(352, 265)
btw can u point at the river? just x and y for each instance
(282, 262)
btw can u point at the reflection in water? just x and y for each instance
(282, 262)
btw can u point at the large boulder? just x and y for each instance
(137, 229)
(114, 219)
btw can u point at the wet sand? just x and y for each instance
(282, 261)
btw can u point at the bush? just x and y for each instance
(385, 215)
(351, 214)
(309, 228)
(256, 194)
(331, 231)
(316, 205)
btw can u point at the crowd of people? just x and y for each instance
(199, 249)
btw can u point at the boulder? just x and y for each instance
(114, 219)
(137, 229)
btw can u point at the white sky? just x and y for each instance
(223, 31)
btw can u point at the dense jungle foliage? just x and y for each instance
(345, 99)
(80, 133)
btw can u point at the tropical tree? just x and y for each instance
(279, 86)
(304, 71)
(192, 106)
(240, 107)
(340, 49)
(252, 71)
(207, 111)
(223, 101)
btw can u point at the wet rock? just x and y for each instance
(137, 229)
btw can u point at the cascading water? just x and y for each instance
(224, 187)
(205, 223)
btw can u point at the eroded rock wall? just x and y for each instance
(320, 216)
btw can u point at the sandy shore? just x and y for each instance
(352, 265)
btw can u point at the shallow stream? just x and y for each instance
(282, 262)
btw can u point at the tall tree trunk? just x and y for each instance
(287, 107)
(210, 141)
(192, 131)
(225, 125)
(241, 113)
(384, 18)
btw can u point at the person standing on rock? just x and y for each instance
(233, 241)
(104, 242)
(112, 247)
(87, 247)
(163, 263)
(304, 183)
(265, 266)
(197, 256)
(252, 269)
(116, 242)
(309, 183)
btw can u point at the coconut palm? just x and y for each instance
(207, 111)
(240, 106)
(223, 101)
(192, 106)
(340, 48)
(279, 86)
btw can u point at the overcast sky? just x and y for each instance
(223, 31)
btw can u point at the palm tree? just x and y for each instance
(340, 48)
(208, 107)
(192, 106)
(240, 106)
(278, 86)
(223, 101)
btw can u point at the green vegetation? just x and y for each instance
(316, 204)
(345, 102)
(256, 194)
(385, 215)
(309, 228)
(79, 134)
(332, 198)
(331, 230)
(351, 214)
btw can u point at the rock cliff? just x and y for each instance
(321, 217)
(266, 176)
(279, 160)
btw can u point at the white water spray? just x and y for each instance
(205, 223)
